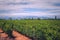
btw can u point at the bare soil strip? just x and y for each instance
(18, 36)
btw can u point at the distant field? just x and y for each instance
(36, 29)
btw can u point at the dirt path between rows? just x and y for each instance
(15, 34)
(19, 36)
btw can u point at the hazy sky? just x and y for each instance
(29, 7)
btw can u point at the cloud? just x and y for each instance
(5, 11)
(34, 10)
(30, 7)
(10, 11)
(41, 9)
(29, 10)
(17, 3)
(29, 14)
(57, 4)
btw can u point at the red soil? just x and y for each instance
(2, 34)
(1, 30)
(19, 36)
(15, 34)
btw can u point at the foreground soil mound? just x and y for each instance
(1, 30)
(15, 34)
(2, 34)
(19, 36)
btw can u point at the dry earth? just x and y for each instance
(18, 36)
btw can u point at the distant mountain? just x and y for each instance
(29, 17)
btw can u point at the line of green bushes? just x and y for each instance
(35, 29)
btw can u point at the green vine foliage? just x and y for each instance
(36, 29)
